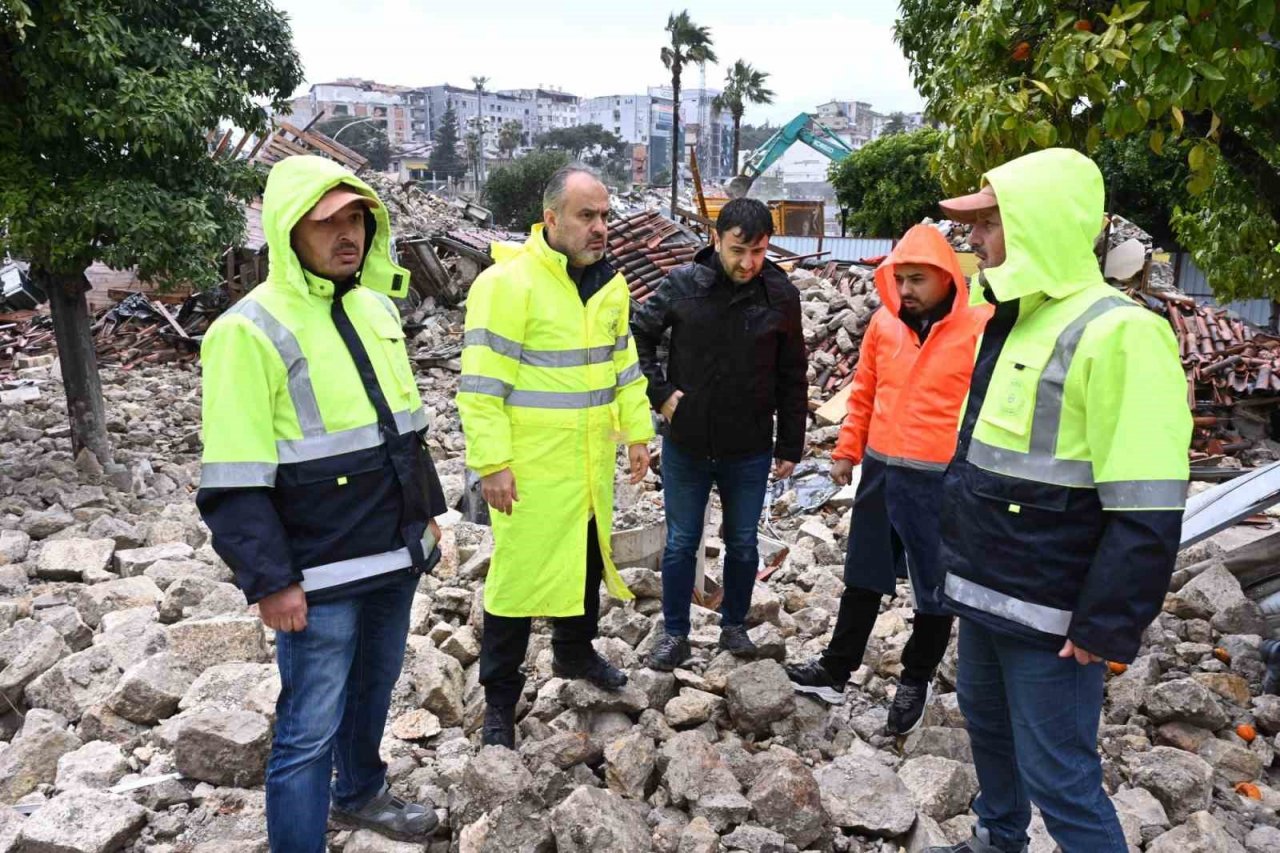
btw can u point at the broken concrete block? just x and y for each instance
(202, 643)
(73, 559)
(137, 560)
(123, 594)
(82, 822)
(224, 747)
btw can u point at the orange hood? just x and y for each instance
(922, 244)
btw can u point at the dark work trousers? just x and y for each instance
(879, 552)
(506, 638)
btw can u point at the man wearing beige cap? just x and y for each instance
(319, 492)
(1062, 506)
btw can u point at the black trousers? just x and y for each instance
(506, 638)
(858, 611)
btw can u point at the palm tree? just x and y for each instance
(480, 81)
(742, 85)
(689, 43)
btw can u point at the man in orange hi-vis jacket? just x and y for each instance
(904, 410)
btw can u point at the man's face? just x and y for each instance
(741, 260)
(332, 248)
(987, 239)
(578, 230)
(922, 287)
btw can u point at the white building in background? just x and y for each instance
(553, 108)
(637, 119)
(712, 128)
(388, 107)
(494, 109)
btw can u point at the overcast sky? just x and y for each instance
(814, 51)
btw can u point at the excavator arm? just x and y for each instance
(802, 128)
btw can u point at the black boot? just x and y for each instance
(499, 726)
(594, 669)
(670, 653)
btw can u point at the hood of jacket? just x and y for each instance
(293, 188)
(922, 244)
(1051, 205)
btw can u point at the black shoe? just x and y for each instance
(389, 815)
(979, 842)
(596, 670)
(734, 640)
(669, 653)
(1271, 657)
(499, 726)
(907, 710)
(812, 677)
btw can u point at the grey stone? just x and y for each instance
(229, 685)
(758, 695)
(1262, 839)
(942, 788)
(74, 559)
(494, 777)
(1185, 700)
(943, 741)
(755, 839)
(40, 525)
(643, 583)
(1240, 617)
(135, 561)
(517, 826)
(123, 594)
(1127, 692)
(95, 766)
(785, 798)
(658, 687)
(592, 820)
(202, 643)
(168, 572)
(1201, 833)
(691, 708)
(437, 681)
(861, 793)
(626, 624)
(692, 768)
(368, 841)
(462, 646)
(27, 650)
(1266, 713)
(1231, 761)
(562, 750)
(76, 682)
(119, 531)
(14, 546)
(1143, 806)
(224, 747)
(82, 822)
(1182, 782)
(32, 758)
(149, 691)
(629, 764)
(66, 620)
(1206, 594)
(699, 837)
(722, 808)
(926, 834)
(585, 696)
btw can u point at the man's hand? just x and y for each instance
(842, 471)
(1070, 649)
(285, 610)
(669, 407)
(435, 530)
(638, 456)
(782, 469)
(499, 490)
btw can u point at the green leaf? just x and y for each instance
(1130, 13)
(1177, 118)
(1196, 157)
(1157, 141)
(1042, 87)
(1144, 108)
(1090, 61)
(1210, 71)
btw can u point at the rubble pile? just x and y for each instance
(139, 690)
(837, 302)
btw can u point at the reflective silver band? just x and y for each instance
(359, 568)
(621, 344)
(631, 374)
(386, 304)
(301, 391)
(1050, 620)
(561, 399)
(494, 341)
(1143, 494)
(543, 357)
(905, 462)
(1040, 463)
(310, 448)
(237, 475)
(484, 385)
(874, 454)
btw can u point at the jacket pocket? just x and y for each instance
(1011, 397)
(391, 343)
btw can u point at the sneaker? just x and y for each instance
(812, 677)
(907, 710)
(979, 842)
(596, 670)
(669, 653)
(389, 815)
(499, 726)
(1271, 657)
(734, 640)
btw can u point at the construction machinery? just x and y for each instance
(802, 128)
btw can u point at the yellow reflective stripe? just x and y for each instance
(1143, 494)
(301, 391)
(237, 475)
(1050, 620)
(1040, 463)
(359, 568)
(310, 448)
(561, 399)
(484, 385)
(631, 374)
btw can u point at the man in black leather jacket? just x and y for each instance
(736, 360)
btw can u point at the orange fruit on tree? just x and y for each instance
(1084, 26)
(1022, 51)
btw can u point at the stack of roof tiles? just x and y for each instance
(645, 246)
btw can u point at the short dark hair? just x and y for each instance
(553, 193)
(749, 214)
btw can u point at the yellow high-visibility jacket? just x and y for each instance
(549, 388)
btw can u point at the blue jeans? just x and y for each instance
(686, 486)
(1033, 723)
(336, 677)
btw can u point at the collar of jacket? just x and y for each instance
(538, 246)
(707, 262)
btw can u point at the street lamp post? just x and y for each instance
(479, 81)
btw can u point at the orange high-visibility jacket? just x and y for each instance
(905, 404)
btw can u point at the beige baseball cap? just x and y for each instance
(966, 208)
(336, 199)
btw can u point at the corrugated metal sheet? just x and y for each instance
(1192, 281)
(840, 248)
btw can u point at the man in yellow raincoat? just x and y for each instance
(550, 385)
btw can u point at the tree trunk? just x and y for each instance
(676, 148)
(79, 361)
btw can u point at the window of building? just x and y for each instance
(340, 110)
